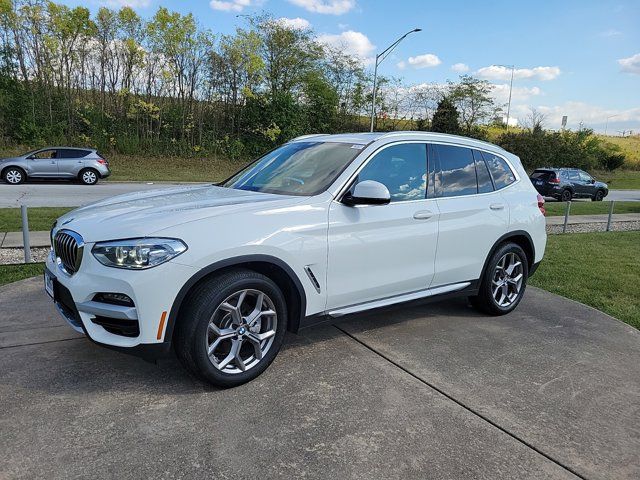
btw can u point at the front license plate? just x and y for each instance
(48, 284)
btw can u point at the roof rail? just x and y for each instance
(437, 134)
(301, 137)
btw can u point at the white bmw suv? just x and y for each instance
(323, 226)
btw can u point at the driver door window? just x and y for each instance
(402, 169)
(45, 155)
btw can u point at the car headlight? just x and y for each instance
(137, 253)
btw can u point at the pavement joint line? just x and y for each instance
(463, 405)
(41, 343)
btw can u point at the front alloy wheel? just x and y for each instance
(241, 331)
(231, 327)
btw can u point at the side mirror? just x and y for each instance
(368, 192)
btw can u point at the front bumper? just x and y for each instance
(152, 291)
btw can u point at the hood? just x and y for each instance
(601, 184)
(141, 214)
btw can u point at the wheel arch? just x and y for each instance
(7, 167)
(272, 267)
(520, 238)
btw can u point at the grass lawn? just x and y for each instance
(630, 146)
(620, 179)
(39, 218)
(598, 269)
(13, 273)
(591, 208)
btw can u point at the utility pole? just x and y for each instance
(510, 90)
(379, 59)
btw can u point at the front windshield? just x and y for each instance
(298, 168)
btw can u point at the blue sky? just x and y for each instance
(575, 58)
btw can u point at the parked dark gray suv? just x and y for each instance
(84, 164)
(567, 183)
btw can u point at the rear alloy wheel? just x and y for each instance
(14, 176)
(89, 176)
(503, 282)
(598, 196)
(232, 327)
(566, 195)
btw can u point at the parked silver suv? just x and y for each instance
(84, 164)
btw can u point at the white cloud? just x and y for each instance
(352, 43)
(421, 61)
(460, 67)
(612, 32)
(231, 5)
(630, 64)
(294, 23)
(331, 7)
(499, 72)
(500, 93)
(127, 3)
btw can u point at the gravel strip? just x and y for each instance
(595, 227)
(16, 255)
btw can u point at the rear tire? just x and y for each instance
(504, 281)
(566, 195)
(220, 337)
(88, 176)
(14, 176)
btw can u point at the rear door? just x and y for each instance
(71, 161)
(473, 215)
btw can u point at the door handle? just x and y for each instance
(423, 215)
(496, 206)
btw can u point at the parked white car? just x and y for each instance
(323, 226)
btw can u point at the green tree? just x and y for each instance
(445, 118)
(472, 98)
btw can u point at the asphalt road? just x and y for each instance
(426, 391)
(66, 194)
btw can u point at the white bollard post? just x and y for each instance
(566, 216)
(25, 234)
(610, 215)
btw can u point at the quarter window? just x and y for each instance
(500, 171)
(402, 169)
(484, 178)
(457, 171)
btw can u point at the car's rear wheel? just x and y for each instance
(14, 175)
(566, 195)
(504, 281)
(231, 328)
(598, 196)
(89, 176)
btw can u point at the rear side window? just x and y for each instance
(543, 175)
(485, 184)
(457, 171)
(72, 153)
(500, 171)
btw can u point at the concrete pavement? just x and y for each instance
(67, 194)
(424, 391)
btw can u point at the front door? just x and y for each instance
(379, 251)
(44, 163)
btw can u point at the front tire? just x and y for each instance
(231, 328)
(14, 176)
(504, 281)
(598, 196)
(89, 176)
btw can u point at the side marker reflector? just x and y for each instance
(163, 317)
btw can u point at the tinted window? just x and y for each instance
(584, 177)
(402, 169)
(573, 176)
(297, 168)
(72, 153)
(500, 171)
(543, 174)
(457, 171)
(484, 178)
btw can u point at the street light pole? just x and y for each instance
(606, 125)
(510, 90)
(379, 59)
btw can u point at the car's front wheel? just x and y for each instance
(231, 328)
(504, 281)
(598, 196)
(89, 176)
(14, 175)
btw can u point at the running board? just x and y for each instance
(429, 292)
